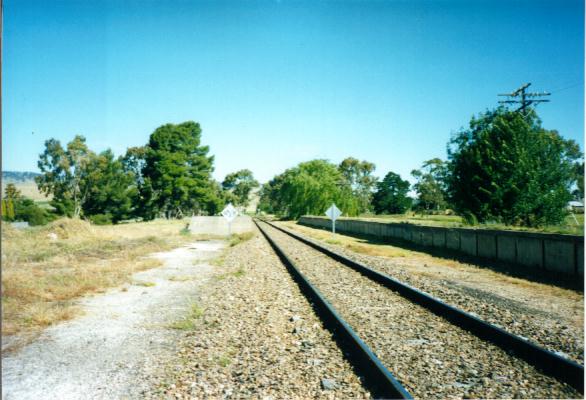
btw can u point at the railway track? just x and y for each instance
(423, 347)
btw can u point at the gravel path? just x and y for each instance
(431, 357)
(113, 351)
(549, 316)
(257, 337)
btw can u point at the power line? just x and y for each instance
(520, 96)
(568, 87)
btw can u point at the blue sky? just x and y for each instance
(276, 83)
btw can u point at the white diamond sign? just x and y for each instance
(229, 212)
(333, 212)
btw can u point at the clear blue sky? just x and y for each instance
(276, 83)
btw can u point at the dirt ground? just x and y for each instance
(113, 350)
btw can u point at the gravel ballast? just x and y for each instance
(548, 316)
(257, 337)
(431, 358)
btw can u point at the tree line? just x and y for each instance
(505, 167)
(170, 176)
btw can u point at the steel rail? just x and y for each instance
(376, 376)
(546, 361)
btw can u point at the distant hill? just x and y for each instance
(25, 182)
(18, 176)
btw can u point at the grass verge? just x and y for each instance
(572, 225)
(44, 269)
(351, 243)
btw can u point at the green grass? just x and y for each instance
(453, 221)
(189, 322)
(223, 361)
(237, 274)
(145, 284)
(238, 238)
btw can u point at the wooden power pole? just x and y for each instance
(520, 96)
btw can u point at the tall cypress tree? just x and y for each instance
(177, 171)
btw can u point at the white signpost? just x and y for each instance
(229, 212)
(333, 213)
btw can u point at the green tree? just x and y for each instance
(359, 176)
(505, 167)
(16, 207)
(240, 184)
(110, 189)
(11, 196)
(578, 192)
(309, 188)
(177, 172)
(143, 200)
(391, 195)
(26, 210)
(430, 186)
(11, 192)
(63, 171)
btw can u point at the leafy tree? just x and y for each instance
(506, 167)
(11, 192)
(26, 210)
(430, 186)
(578, 192)
(240, 184)
(177, 172)
(359, 176)
(16, 207)
(270, 201)
(109, 188)
(391, 195)
(11, 195)
(309, 188)
(63, 171)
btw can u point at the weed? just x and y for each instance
(179, 278)
(223, 361)
(189, 323)
(218, 261)
(145, 284)
(237, 274)
(238, 238)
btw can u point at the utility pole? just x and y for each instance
(525, 99)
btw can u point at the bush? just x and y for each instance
(101, 219)
(469, 219)
(23, 209)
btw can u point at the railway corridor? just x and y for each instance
(429, 356)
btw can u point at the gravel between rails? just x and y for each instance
(257, 337)
(429, 356)
(553, 321)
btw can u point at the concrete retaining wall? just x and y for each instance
(219, 225)
(556, 253)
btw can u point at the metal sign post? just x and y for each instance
(229, 212)
(333, 213)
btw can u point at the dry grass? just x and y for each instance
(351, 243)
(238, 238)
(425, 265)
(28, 189)
(41, 277)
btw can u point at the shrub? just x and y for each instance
(101, 219)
